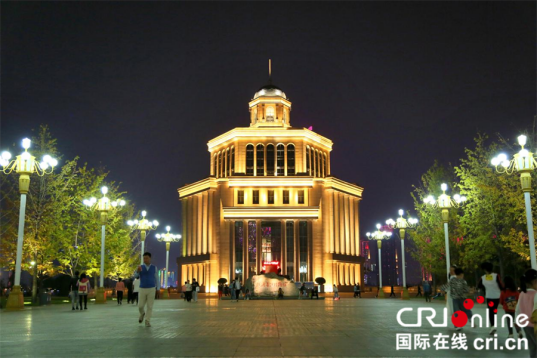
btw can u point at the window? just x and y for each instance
(271, 196)
(301, 196)
(270, 114)
(286, 196)
(232, 160)
(290, 243)
(250, 159)
(290, 159)
(252, 248)
(219, 164)
(325, 165)
(240, 197)
(215, 159)
(228, 163)
(315, 166)
(308, 164)
(255, 196)
(280, 153)
(239, 239)
(319, 166)
(303, 246)
(260, 161)
(270, 160)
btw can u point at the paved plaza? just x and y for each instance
(212, 328)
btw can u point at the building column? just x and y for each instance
(351, 226)
(199, 237)
(210, 200)
(357, 226)
(336, 222)
(259, 245)
(283, 241)
(341, 215)
(205, 211)
(186, 228)
(297, 252)
(190, 219)
(347, 225)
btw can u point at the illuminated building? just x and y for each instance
(270, 204)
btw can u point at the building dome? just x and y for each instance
(270, 90)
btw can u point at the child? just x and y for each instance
(508, 300)
(83, 289)
(458, 291)
(336, 292)
(526, 305)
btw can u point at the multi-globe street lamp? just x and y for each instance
(379, 236)
(402, 225)
(168, 238)
(103, 206)
(143, 225)
(25, 165)
(523, 162)
(444, 202)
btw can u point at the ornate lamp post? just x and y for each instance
(379, 236)
(168, 238)
(103, 206)
(444, 203)
(402, 225)
(24, 165)
(144, 226)
(523, 162)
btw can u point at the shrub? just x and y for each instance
(320, 280)
(222, 281)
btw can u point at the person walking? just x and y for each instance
(336, 292)
(493, 286)
(232, 290)
(392, 292)
(188, 291)
(149, 284)
(508, 299)
(129, 290)
(120, 287)
(357, 292)
(195, 289)
(73, 290)
(419, 291)
(220, 290)
(183, 290)
(135, 289)
(527, 304)
(427, 290)
(315, 292)
(302, 290)
(237, 288)
(84, 287)
(458, 291)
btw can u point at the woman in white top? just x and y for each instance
(135, 289)
(493, 286)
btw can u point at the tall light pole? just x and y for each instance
(402, 225)
(143, 226)
(444, 203)
(168, 238)
(103, 206)
(523, 162)
(24, 165)
(379, 236)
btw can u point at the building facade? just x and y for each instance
(270, 204)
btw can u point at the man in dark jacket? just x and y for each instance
(73, 289)
(130, 287)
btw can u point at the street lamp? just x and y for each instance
(523, 162)
(24, 165)
(144, 226)
(379, 236)
(103, 206)
(445, 202)
(402, 225)
(168, 238)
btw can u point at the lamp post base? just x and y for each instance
(100, 295)
(165, 293)
(15, 301)
(404, 294)
(381, 294)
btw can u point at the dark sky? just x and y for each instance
(141, 87)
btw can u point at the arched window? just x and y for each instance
(291, 159)
(219, 164)
(315, 166)
(250, 159)
(260, 161)
(308, 164)
(322, 164)
(270, 160)
(325, 165)
(232, 160)
(270, 114)
(228, 163)
(215, 164)
(318, 163)
(280, 160)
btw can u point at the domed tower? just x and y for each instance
(270, 203)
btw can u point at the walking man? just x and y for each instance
(149, 283)
(237, 288)
(74, 290)
(195, 289)
(120, 287)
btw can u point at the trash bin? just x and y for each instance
(44, 299)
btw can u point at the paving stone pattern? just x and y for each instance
(211, 328)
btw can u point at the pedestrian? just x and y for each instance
(247, 295)
(458, 291)
(188, 291)
(357, 292)
(301, 290)
(135, 290)
(280, 293)
(220, 290)
(315, 292)
(527, 302)
(336, 292)
(129, 291)
(392, 292)
(419, 291)
(183, 290)
(449, 301)
(120, 287)
(232, 290)
(83, 289)
(427, 290)
(195, 289)
(493, 286)
(237, 288)
(508, 299)
(73, 290)
(149, 285)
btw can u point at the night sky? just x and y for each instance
(141, 87)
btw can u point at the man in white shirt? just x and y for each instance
(149, 283)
